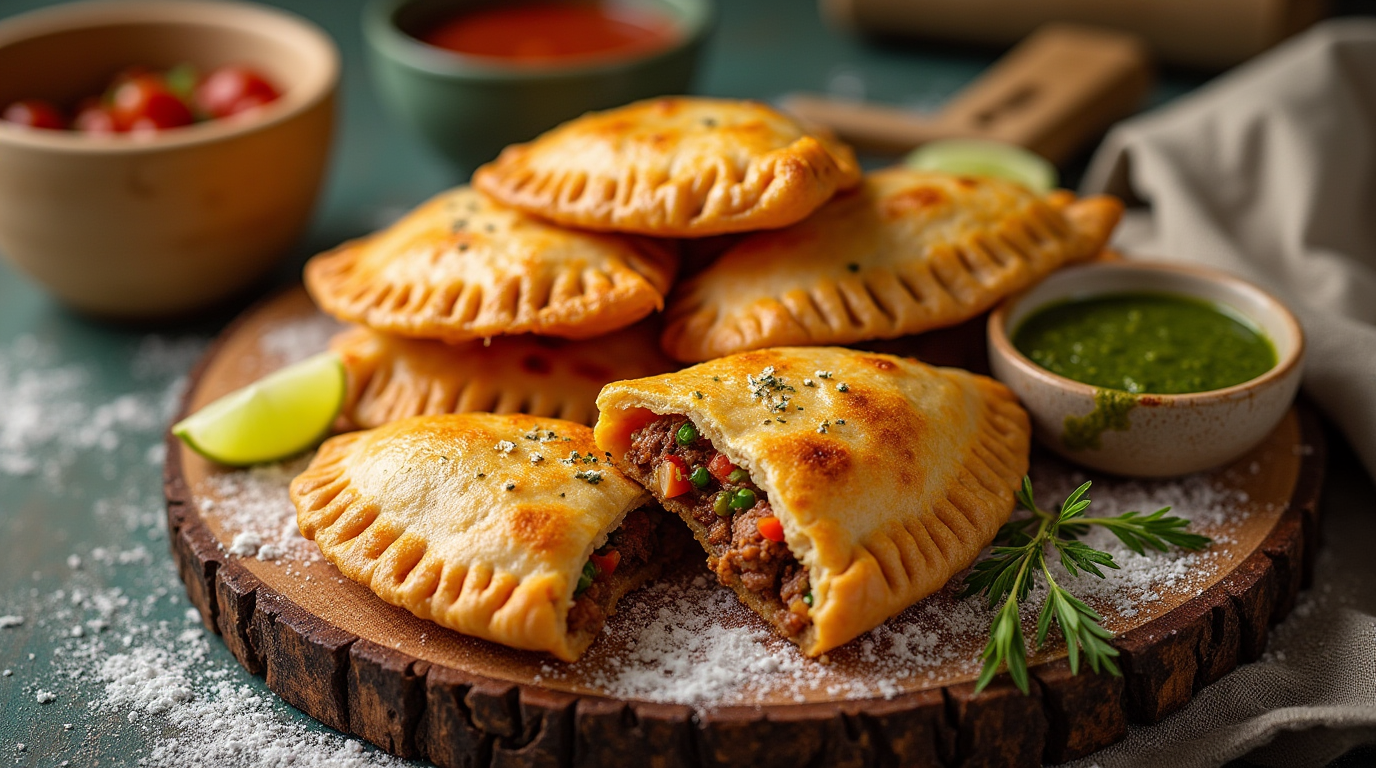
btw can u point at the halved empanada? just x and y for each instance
(391, 378)
(509, 528)
(463, 267)
(674, 167)
(839, 488)
(907, 252)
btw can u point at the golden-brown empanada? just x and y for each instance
(863, 482)
(462, 266)
(907, 252)
(391, 377)
(485, 524)
(674, 167)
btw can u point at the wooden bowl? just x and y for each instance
(1167, 435)
(138, 227)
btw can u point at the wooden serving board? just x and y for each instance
(901, 695)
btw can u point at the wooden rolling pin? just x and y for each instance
(1211, 34)
(1061, 87)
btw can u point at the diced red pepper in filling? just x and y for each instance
(606, 564)
(721, 467)
(771, 528)
(673, 477)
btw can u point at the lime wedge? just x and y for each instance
(275, 417)
(974, 157)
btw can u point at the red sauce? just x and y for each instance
(542, 32)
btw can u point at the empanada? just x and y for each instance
(907, 252)
(391, 377)
(831, 488)
(674, 167)
(505, 527)
(462, 266)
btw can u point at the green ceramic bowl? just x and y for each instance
(469, 107)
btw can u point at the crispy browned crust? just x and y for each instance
(885, 490)
(464, 267)
(674, 167)
(433, 515)
(392, 378)
(907, 252)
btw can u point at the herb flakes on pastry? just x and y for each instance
(831, 488)
(509, 528)
(906, 252)
(391, 377)
(462, 266)
(674, 167)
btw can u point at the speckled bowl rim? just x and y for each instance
(999, 339)
(382, 34)
(313, 89)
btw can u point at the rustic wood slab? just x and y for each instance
(332, 649)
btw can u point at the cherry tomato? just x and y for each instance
(35, 113)
(672, 477)
(132, 72)
(144, 103)
(771, 528)
(721, 467)
(233, 89)
(93, 117)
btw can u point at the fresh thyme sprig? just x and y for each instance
(1019, 554)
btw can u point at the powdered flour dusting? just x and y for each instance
(120, 660)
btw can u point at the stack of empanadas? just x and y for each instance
(830, 488)
(466, 304)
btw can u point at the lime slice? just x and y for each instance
(275, 417)
(975, 157)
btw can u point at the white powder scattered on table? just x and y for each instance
(215, 720)
(128, 667)
(298, 339)
(190, 699)
(47, 408)
(245, 544)
(259, 513)
(685, 651)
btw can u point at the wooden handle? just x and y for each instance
(1061, 87)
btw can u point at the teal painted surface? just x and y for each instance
(87, 492)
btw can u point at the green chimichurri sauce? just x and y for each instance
(1145, 343)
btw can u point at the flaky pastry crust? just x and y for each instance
(392, 377)
(888, 476)
(462, 267)
(674, 167)
(906, 252)
(450, 518)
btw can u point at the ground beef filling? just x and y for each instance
(632, 545)
(739, 552)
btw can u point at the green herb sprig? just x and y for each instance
(1020, 552)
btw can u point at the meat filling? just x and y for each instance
(743, 537)
(628, 550)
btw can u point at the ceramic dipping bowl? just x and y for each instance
(470, 107)
(1151, 435)
(144, 227)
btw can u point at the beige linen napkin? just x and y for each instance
(1269, 173)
